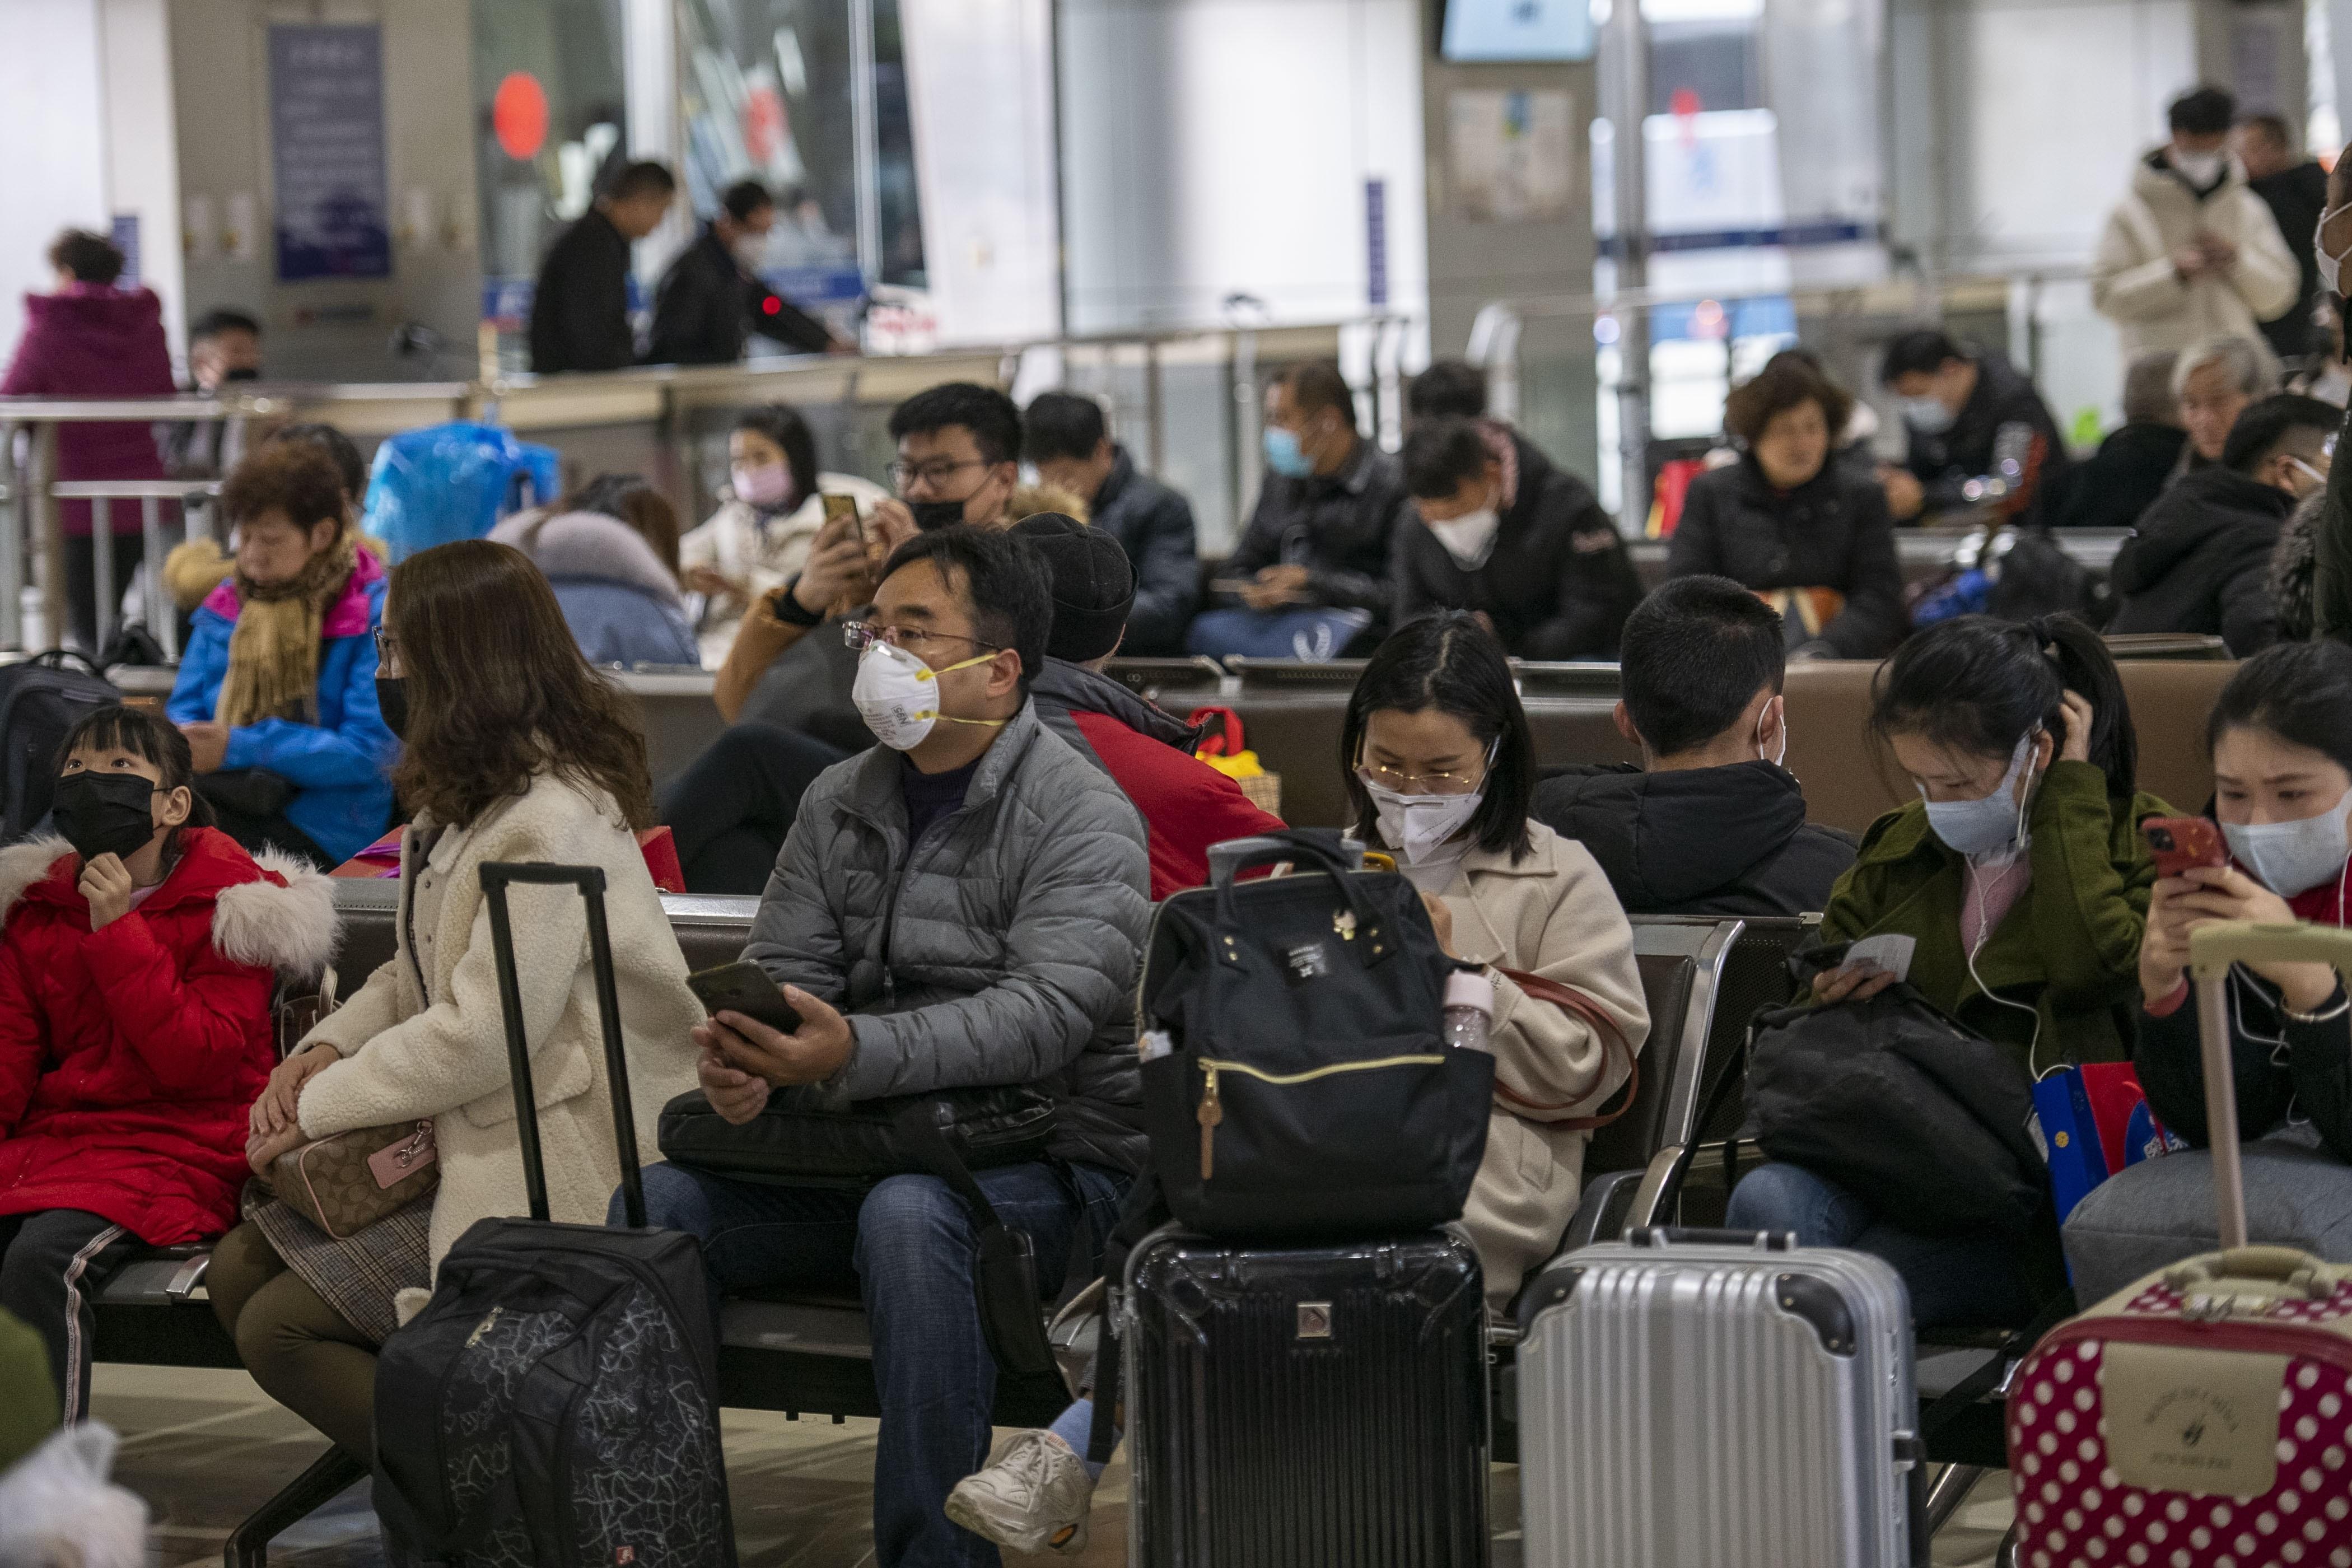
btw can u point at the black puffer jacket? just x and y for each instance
(1558, 584)
(1337, 526)
(1949, 458)
(2117, 484)
(1728, 840)
(2201, 562)
(1832, 532)
(1154, 525)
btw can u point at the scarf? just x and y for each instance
(273, 654)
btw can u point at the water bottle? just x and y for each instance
(1469, 1009)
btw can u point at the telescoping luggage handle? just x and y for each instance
(2212, 948)
(497, 875)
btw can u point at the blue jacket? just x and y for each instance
(615, 623)
(620, 599)
(341, 768)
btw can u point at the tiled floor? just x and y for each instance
(205, 1447)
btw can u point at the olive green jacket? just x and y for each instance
(2069, 947)
(28, 1398)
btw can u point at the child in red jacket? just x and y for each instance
(136, 963)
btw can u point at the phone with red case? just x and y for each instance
(2178, 843)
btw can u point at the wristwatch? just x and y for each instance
(785, 607)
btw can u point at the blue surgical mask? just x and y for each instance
(1926, 414)
(1284, 455)
(2291, 858)
(1979, 829)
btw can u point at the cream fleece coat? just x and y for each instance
(1551, 914)
(435, 1047)
(732, 543)
(2133, 283)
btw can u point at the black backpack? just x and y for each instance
(1295, 1079)
(41, 700)
(556, 1404)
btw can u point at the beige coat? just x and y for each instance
(409, 1053)
(1552, 914)
(731, 544)
(2133, 283)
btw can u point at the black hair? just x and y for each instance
(1449, 662)
(339, 447)
(1977, 685)
(221, 318)
(1922, 351)
(91, 257)
(1449, 386)
(1440, 455)
(744, 197)
(2271, 126)
(2299, 692)
(991, 417)
(642, 178)
(1317, 384)
(143, 732)
(2202, 112)
(1693, 657)
(1005, 582)
(2266, 426)
(1062, 425)
(782, 423)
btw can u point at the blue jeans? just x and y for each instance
(1973, 1279)
(906, 1245)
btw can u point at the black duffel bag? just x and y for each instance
(796, 1142)
(1295, 1082)
(1896, 1102)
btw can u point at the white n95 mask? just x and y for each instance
(1415, 825)
(1470, 538)
(897, 695)
(2330, 267)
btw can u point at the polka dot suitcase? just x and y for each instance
(2203, 1416)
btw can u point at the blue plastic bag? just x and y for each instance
(452, 481)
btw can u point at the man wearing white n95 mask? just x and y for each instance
(958, 907)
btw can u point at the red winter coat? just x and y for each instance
(91, 340)
(131, 1056)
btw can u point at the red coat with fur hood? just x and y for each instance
(130, 1055)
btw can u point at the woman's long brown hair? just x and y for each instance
(497, 690)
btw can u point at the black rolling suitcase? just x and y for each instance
(1306, 1406)
(555, 1405)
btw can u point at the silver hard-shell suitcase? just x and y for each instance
(1718, 1399)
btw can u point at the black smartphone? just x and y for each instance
(744, 988)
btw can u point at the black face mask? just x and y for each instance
(104, 814)
(392, 697)
(931, 515)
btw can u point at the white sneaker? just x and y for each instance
(1035, 1498)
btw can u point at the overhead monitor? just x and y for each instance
(1477, 32)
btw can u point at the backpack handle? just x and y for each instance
(1234, 856)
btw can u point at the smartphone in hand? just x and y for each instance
(2178, 843)
(744, 988)
(845, 506)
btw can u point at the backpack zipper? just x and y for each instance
(1212, 1110)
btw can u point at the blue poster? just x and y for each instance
(326, 135)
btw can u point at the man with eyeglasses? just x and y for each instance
(2200, 560)
(959, 908)
(958, 460)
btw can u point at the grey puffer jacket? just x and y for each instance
(1002, 951)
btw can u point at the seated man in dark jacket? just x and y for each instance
(1311, 572)
(1187, 805)
(2200, 560)
(711, 300)
(1968, 412)
(1532, 552)
(1065, 436)
(2118, 483)
(1710, 824)
(959, 908)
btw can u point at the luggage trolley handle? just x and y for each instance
(2212, 948)
(497, 875)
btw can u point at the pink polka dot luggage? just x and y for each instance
(2200, 1418)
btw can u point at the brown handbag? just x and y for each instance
(346, 1181)
(1612, 1042)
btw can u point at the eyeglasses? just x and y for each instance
(859, 635)
(387, 648)
(1445, 781)
(906, 476)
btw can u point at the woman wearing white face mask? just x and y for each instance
(2280, 736)
(2022, 879)
(1441, 770)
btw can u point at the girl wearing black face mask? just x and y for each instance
(136, 960)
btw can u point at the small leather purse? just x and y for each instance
(346, 1181)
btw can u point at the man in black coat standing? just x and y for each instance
(2200, 560)
(1065, 436)
(711, 300)
(2294, 187)
(1530, 551)
(580, 312)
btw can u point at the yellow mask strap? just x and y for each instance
(933, 675)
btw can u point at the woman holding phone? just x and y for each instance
(513, 749)
(2280, 736)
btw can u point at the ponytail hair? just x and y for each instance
(2301, 692)
(1978, 685)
